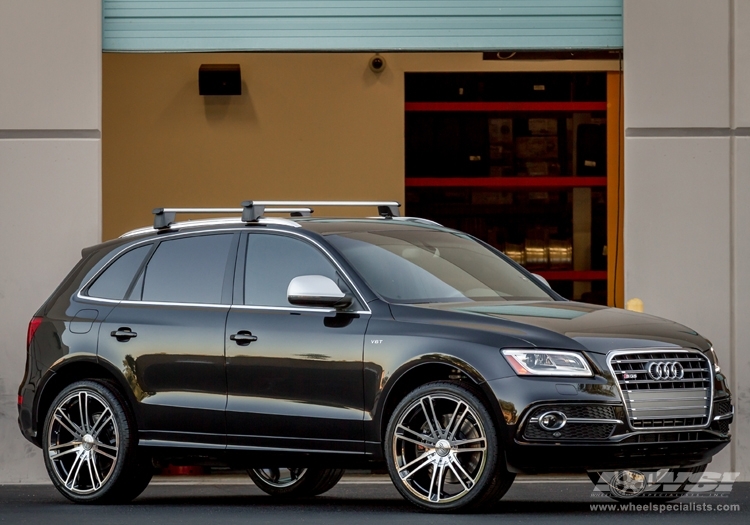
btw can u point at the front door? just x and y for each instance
(295, 379)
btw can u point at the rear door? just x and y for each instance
(167, 338)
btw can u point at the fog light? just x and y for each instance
(552, 421)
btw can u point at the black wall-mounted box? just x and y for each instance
(219, 79)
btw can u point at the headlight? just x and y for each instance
(547, 363)
(715, 359)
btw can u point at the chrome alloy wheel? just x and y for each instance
(280, 477)
(83, 442)
(439, 448)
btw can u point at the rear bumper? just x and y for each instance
(25, 416)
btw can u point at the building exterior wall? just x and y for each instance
(687, 179)
(50, 71)
(307, 126)
(687, 169)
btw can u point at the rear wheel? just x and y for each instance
(662, 485)
(295, 482)
(442, 450)
(89, 445)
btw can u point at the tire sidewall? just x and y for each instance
(313, 482)
(125, 445)
(492, 452)
(273, 490)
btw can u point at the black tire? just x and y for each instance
(88, 425)
(439, 429)
(139, 480)
(295, 483)
(666, 486)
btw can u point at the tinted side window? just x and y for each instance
(274, 260)
(114, 282)
(188, 270)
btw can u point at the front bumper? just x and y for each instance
(598, 436)
(542, 458)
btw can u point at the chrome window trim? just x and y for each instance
(178, 235)
(85, 298)
(129, 247)
(611, 355)
(311, 309)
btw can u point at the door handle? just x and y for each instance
(123, 334)
(243, 338)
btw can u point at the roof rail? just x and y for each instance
(165, 217)
(254, 210)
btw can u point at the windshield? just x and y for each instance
(423, 266)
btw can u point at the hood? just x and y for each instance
(559, 324)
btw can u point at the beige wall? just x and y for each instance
(307, 126)
(687, 181)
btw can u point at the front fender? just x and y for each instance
(395, 350)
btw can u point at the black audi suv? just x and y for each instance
(295, 348)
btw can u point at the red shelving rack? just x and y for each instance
(506, 106)
(505, 182)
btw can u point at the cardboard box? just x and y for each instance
(491, 197)
(543, 126)
(541, 168)
(536, 148)
(501, 130)
(502, 171)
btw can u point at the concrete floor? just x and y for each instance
(356, 499)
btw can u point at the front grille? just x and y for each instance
(571, 431)
(666, 402)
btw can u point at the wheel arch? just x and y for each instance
(79, 369)
(436, 368)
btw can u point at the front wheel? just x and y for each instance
(442, 450)
(295, 482)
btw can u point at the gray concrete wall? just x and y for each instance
(687, 179)
(50, 179)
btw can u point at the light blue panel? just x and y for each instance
(361, 25)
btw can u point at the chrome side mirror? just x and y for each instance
(316, 290)
(541, 280)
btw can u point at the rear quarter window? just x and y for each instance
(114, 282)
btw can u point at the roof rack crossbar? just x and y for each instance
(254, 210)
(386, 209)
(165, 217)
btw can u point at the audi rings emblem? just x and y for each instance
(665, 370)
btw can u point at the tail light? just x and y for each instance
(33, 325)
